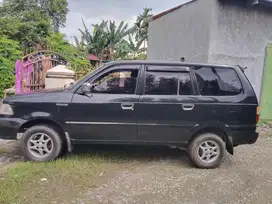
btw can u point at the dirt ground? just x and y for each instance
(166, 176)
(245, 177)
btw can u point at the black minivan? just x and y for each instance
(204, 109)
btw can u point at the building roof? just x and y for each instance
(169, 10)
(93, 57)
(252, 2)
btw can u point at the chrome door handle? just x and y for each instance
(127, 106)
(188, 107)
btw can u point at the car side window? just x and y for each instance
(213, 81)
(161, 83)
(116, 82)
(185, 84)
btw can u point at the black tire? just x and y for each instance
(211, 138)
(55, 140)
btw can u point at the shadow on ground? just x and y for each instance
(131, 152)
(120, 153)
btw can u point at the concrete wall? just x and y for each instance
(184, 32)
(239, 35)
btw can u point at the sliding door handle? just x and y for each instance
(127, 106)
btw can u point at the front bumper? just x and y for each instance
(9, 127)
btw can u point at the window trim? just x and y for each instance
(124, 68)
(197, 86)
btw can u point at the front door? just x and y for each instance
(167, 106)
(108, 113)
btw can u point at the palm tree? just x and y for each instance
(105, 38)
(115, 35)
(96, 42)
(141, 26)
(80, 45)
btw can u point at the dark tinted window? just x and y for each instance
(116, 82)
(161, 83)
(185, 84)
(218, 81)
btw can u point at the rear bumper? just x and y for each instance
(241, 137)
(9, 127)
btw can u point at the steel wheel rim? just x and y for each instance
(40, 145)
(208, 151)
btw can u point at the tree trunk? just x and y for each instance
(145, 47)
(111, 50)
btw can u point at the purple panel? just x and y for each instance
(18, 80)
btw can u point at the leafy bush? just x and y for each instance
(9, 53)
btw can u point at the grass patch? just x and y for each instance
(263, 122)
(65, 178)
(4, 150)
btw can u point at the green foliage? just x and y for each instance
(30, 21)
(56, 10)
(109, 41)
(77, 59)
(141, 26)
(9, 53)
(95, 41)
(29, 31)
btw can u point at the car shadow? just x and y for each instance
(127, 153)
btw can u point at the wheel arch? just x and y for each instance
(221, 132)
(48, 122)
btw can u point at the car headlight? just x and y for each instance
(5, 109)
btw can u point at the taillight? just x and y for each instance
(258, 113)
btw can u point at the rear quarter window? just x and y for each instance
(213, 81)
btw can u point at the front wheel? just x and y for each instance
(41, 143)
(207, 151)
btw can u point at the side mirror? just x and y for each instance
(86, 88)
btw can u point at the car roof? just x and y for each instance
(164, 62)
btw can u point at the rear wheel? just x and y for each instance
(41, 143)
(207, 151)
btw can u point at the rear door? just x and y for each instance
(167, 105)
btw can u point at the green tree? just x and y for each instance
(28, 32)
(77, 59)
(54, 10)
(80, 45)
(57, 11)
(96, 41)
(106, 38)
(9, 53)
(115, 34)
(128, 49)
(141, 26)
(30, 21)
